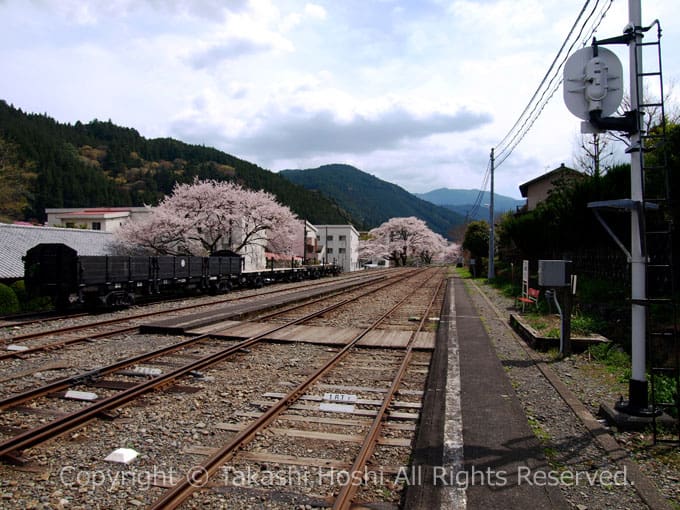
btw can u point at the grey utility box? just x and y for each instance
(554, 273)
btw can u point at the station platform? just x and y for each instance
(475, 448)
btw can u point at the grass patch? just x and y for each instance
(463, 272)
(586, 325)
(614, 359)
(665, 391)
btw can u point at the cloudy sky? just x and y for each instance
(415, 92)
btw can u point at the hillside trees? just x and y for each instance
(369, 200)
(206, 216)
(99, 164)
(15, 177)
(402, 240)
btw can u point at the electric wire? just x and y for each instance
(545, 91)
(552, 65)
(554, 83)
(480, 195)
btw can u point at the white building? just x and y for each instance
(106, 219)
(340, 245)
(254, 253)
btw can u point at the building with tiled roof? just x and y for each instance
(107, 219)
(16, 240)
(537, 190)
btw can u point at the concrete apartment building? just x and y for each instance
(340, 245)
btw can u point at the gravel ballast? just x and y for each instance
(568, 444)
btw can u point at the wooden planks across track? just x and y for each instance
(180, 325)
(381, 338)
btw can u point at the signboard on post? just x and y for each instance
(525, 278)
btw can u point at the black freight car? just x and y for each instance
(57, 271)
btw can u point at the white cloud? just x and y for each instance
(414, 92)
(315, 11)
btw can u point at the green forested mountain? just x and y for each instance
(44, 163)
(371, 200)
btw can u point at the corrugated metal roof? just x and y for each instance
(16, 240)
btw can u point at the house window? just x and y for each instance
(70, 224)
(96, 225)
(329, 238)
(342, 238)
(341, 250)
(329, 250)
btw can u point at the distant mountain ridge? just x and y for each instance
(371, 200)
(462, 202)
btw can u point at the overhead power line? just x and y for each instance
(499, 146)
(548, 87)
(480, 196)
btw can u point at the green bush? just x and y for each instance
(586, 325)
(28, 304)
(9, 303)
(19, 288)
(666, 391)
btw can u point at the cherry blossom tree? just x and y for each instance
(208, 216)
(450, 255)
(402, 239)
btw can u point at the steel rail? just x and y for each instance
(79, 327)
(199, 475)
(348, 491)
(62, 343)
(77, 419)
(67, 382)
(96, 373)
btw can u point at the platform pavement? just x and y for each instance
(498, 441)
(473, 426)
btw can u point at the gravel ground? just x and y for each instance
(172, 430)
(567, 443)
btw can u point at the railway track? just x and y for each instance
(19, 320)
(330, 370)
(16, 345)
(23, 319)
(153, 382)
(212, 353)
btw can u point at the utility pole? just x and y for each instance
(492, 231)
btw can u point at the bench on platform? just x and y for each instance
(531, 298)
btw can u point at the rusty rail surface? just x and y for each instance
(77, 419)
(60, 344)
(196, 478)
(348, 491)
(90, 375)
